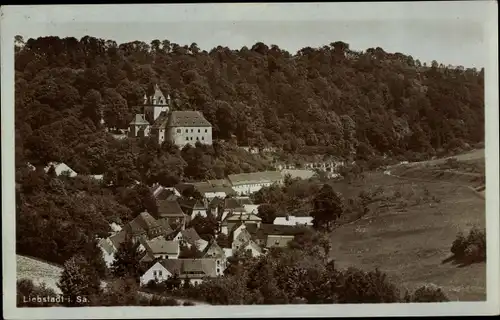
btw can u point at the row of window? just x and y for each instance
(191, 138)
(187, 130)
(157, 273)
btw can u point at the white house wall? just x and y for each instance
(181, 136)
(293, 221)
(155, 269)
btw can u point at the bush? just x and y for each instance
(427, 294)
(188, 303)
(357, 286)
(470, 249)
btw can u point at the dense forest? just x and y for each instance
(330, 100)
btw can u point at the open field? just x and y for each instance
(412, 235)
(38, 271)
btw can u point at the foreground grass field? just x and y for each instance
(410, 234)
(38, 271)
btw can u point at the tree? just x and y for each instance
(186, 284)
(189, 252)
(93, 255)
(267, 213)
(92, 106)
(127, 260)
(78, 280)
(206, 227)
(328, 206)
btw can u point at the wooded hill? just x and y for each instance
(328, 100)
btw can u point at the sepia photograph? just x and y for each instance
(249, 160)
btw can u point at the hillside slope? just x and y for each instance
(412, 237)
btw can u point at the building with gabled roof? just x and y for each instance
(161, 122)
(159, 248)
(248, 183)
(171, 211)
(61, 168)
(189, 237)
(188, 127)
(196, 270)
(144, 225)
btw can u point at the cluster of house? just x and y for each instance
(162, 237)
(164, 124)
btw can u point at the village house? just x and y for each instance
(290, 220)
(171, 212)
(189, 237)
(241, 241)
(243, 218)
(214, 251)
(216, 206)
(248, 183)
(196, 270)
(144, 225)
(230, 206)
(266, 235)
(61, 168)
(280, 241)
(159, 248)
(165, 124)
(161, 192)
(248, 205)
(194, 207)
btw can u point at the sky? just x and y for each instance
(449, 32)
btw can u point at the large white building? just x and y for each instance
(248, 183)
(161, 122)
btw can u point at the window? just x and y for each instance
(187, 130)
(154, 273)
(218, 262)
(202, 138)
(159, 272)
(206, 130)
(191, 138)
(191, 130)
(199, 130)
(178, 130)
(196, 138)
(218, 270)
(187, 138)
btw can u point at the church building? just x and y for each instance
(163, 123)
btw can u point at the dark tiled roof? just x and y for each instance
(243, 217)
(169, 208)
(142, 223)
(191, 267)
(213, 246)
(161, 121)
(163, 194)
(160, 246)
(139, 120)
(166, 226)
(187, 205)
(187, 119)
(190, 235)
(232, 203)
(216, 202)
(118, 238)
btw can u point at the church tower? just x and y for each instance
(156, 104)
